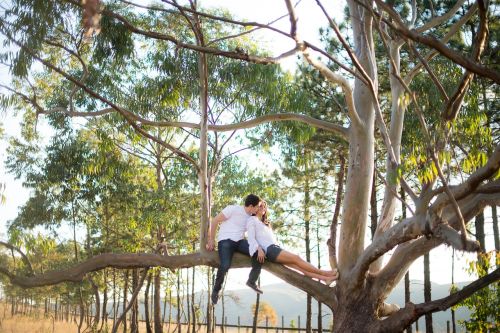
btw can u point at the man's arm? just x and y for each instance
(213, 229)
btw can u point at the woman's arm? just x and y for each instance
(253, 245)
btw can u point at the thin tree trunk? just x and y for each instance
(124, 311)
(332, 241)
(256, 312)
(133, 299)
(373, 207)
(146, 306)
(320, 313)
(407, 275)
(115, 304)
(407, 296)
(97, 303)
(105, 302)
(479, 224)
(193, 310)
(179, 305)
(427, 293)
(170, 309)
(188, 301)
(134, 325)
(453, 321)
(307, 222)
(209, 307)
(157, 302)
(496, 236)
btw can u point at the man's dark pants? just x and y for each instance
(226, 249)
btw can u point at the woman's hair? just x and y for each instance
(264, 218)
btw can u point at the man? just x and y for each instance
(233, 221)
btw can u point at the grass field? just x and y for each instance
(39, 324)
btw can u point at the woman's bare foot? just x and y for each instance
(334, 272)
(330, 280)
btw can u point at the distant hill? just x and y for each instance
(290, 303)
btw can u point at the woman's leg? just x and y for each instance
(327, 278)
(289, 259)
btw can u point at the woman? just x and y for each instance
(262, 241)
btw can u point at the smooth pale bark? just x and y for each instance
(361, 148)
(398, 108)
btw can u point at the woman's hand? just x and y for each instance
(261, 256)
(210, 245)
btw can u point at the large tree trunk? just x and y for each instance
(355, 311)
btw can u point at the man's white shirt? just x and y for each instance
(235, 226)
(259, 234)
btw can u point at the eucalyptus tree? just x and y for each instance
(43, 32)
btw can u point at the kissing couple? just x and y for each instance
(233, 222)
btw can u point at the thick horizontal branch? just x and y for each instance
(144, 260)
(411, 312)
(322, 124)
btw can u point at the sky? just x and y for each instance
(263, 11)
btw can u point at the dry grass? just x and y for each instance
(40, 324)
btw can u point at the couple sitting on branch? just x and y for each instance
(234, 220)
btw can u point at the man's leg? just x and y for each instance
(256, 266)
(226, 250)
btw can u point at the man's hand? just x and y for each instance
(261, 256)
(210, 245)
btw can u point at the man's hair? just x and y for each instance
(252, 200)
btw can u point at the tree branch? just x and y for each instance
(142, 260)
(436, 44)
(203, 49)
(23, 256)
(454, 104)
(404, 231)
(453, 30)
(441, 19)
(411, 312)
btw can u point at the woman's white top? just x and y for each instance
(234, 227)
(259, 234)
